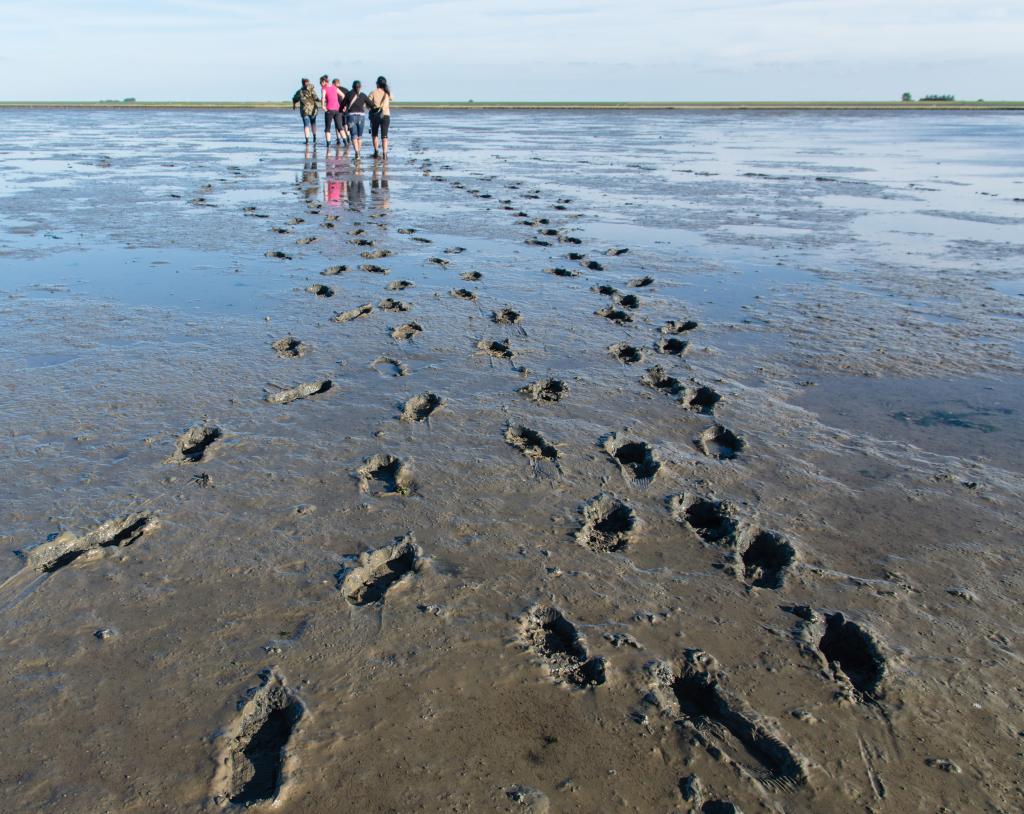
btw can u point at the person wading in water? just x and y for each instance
(380, 116)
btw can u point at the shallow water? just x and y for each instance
(856, 280)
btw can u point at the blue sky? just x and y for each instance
(587, 50)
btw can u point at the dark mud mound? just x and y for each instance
(66, 548)
(499, 350)
(531, 443)
(608, 524)
(722, 720)
(853, 652)
(369, 577)
(545, 391)
(719, 442)
(635, 459)
(301, 391)
(625, 353)
(552, 637)
(657, 378)
(766, 559)
(385, 475)
(253, 765)
(407, 331)
(671, 346)
(420, 408)
(321, 290)
(701, 399)
(711, 519)
(506, 316)
(355, 313)
(192, 445)
(288, 347)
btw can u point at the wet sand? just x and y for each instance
(527, 473)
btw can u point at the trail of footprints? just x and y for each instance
(256, 755)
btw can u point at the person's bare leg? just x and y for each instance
(384, 141)
(376, 146)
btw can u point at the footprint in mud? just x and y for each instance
(701, 399)
(608, 524)
(723, 723)
(280, 230)
(385, 475)
(548, 232)
(438, 261)
(66, 547)
(627, 300)
(678, 326)
(462, 294)
(296, 221)
(627, 354)
(575, 256)
(605, 290)
(288, 347)
(357, 232)
(591, 265)
(719, 442)
(423, 240)
(535, 241)
(406, 231)
(641, 282)
(854, 654)
(616, 315)
(560, 272)
(320, 290)
(616, 252)
(671, 346)
(362, 241)
(301, 391)
(657, 378)
(766, 558)
(530, 443)
(545, 391)
(495, 348)
(421, 407)
(276, 255)
(386, 366)
(407, 331)
(192, 445)
(570, 239)
(393, 306)
(376, 254)
(367, 578)
(506, 316)
(470, 276)
(712, 519)
(332, 271)
(372, 269)
(635, 459)
(254, 763)
(454, 250)
(557, 642)
(305, 241)
(399, 285)
(353, 313)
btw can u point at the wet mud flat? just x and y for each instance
(517, 476)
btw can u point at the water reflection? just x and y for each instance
(379, 189)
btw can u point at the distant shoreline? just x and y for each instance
(717, 106)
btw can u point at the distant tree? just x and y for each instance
(129, 99)
(907, 97)
(937, 97)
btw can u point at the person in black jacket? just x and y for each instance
(357, 105)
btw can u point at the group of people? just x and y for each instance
(347, 110)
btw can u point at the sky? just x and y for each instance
(527, 50)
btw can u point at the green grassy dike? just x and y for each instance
(902, 106)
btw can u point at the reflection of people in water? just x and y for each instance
(356, 189)
(310, 176)
(379, 186)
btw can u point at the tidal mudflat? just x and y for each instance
(540, 470)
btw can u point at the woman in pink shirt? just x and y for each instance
(331, 101)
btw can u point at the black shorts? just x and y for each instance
(379, 124)
(335, 116)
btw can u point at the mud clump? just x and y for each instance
(556, 641)
(545, 391)
(531, 443)
(353, 313)
(367, 578)
(719, 442)
(497, 349)
(407, 331)
(66, 548)
(253, 765)
(321, 290)
(506, 316)
(301, 391)
(625, 353)
(635, 459)
(385, 475)
(289, 347)
(711, 519)
(766, 558)
(420, 408)
(671, 346)
(608, 524)
(701, 399)
(657, 378)
(191, 446)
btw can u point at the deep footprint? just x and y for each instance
(289, 347)
(711, 519)
(546, 632)
(386, 366)
(635, 459)
(531, 443)
(766, 558)
(627, 354)
(354, 313)
(385, 475)
(66, 548)
(321, 290)
(672, 346)
(657, 378)
(191, 446)
(301, 391)
(366, 579)
(407, 331)
(499, 350)
(420, 408)
(701, 399)
(719, 442)
(545, 391)
(506, 316)
(608, 524)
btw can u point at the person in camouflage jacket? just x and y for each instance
(308, 102)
